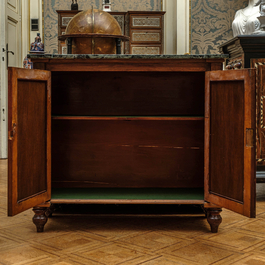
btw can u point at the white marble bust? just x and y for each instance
(246, 22)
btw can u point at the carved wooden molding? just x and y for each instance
(234, 64)
(260, 113)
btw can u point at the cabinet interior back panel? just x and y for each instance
(128, 93)
(127, 153)
(31, 131)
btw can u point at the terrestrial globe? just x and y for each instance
(93, 32)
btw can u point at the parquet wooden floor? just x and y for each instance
(130, 239)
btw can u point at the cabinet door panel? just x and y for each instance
(29, 145)
(229, 140)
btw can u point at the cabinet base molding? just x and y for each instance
(42, 213)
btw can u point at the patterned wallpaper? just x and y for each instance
(211, 20)
(51, 17)
(211, 23)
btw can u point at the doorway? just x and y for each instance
(12, 43)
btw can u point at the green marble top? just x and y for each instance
(125, 56)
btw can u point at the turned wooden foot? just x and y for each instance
(214, 218)
(40, 218)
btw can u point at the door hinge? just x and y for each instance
(12, 133)
(250, 137)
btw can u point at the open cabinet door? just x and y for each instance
(230, 128)
(29, 139)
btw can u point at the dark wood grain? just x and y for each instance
(32, 129)
(127, 93)
(227, 137)
(128, 153)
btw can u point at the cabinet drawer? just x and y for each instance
(145, 49)
(146, 21)
(146, 36)
(66, 20)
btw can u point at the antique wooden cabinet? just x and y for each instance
(248, 51)
(242, 49)
(145, 28)
(146, 32)
(127, 129)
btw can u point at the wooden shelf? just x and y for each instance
(175, 118)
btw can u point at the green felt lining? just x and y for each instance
(128, 193)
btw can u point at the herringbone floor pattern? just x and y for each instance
(131, 239)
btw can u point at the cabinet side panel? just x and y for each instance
(31, 138)
(227, 139)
